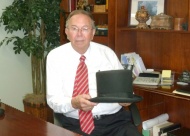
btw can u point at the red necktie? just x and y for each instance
(81, 87)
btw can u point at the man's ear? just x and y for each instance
(93, 33)
(94, 30)
(66, 32)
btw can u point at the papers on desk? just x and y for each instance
(167, 77)
(181, 93)
(133, 59)
(182, 90)
(166, 73)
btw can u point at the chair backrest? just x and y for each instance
(133, 107)
(135, 114)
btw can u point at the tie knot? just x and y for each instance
(82, 58)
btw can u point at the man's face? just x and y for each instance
(80, 32)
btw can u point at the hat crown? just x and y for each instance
(115, 83)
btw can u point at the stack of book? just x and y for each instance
(179, 132)
(163, 129)
(159, 126)
(149, 124)
(167, 77)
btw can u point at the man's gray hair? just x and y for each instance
(75, 12)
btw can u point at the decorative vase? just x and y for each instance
(142, 17)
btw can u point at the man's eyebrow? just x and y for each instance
(81, 27)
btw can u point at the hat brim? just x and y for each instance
(135, 98)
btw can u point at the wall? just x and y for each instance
(15, 70)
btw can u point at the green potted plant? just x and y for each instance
(39, 20)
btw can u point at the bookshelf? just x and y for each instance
(159, 49)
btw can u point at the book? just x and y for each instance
(106, 5)
(72, 5)
(171, 127)
(156, 128)
(179, 132)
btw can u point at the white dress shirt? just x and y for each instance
(61, 69)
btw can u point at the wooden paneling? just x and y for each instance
(125, 42)
(121, 13)
(111, 24)
(159, 50)
(151, 105)
(101, 39)
(158, 101)
(177, 8)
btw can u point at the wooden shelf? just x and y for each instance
(151, 30)
(99, 13)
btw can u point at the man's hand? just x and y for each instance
(124, 104)
(82, 102)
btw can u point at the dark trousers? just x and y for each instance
(118, 124)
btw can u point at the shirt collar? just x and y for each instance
(86, 54)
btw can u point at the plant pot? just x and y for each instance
(38, 109)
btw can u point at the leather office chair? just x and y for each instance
(135, 114)
(133, 107)
(134, 111)
(56, 122)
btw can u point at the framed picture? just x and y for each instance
(154, 7)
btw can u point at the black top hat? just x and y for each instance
(115, 86)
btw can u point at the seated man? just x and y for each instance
(68, 92)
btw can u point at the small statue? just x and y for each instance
(81, 4)
(142, 16)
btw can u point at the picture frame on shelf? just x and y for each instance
(154, 7)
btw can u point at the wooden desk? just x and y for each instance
(161, 100)
(17, 123)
